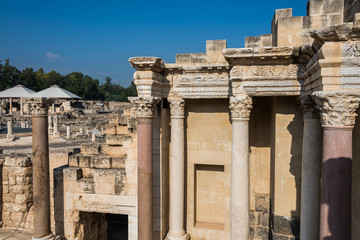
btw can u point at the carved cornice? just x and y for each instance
(240, 106)
(309, 107)
(249, 56)
(143, 107)
(335, 33)
(177, 107)
(337, 108)
(147, 63)
(39, 106)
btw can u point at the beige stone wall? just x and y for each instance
(208, 155)
(260, 163)
(287, 127)
(355, 221)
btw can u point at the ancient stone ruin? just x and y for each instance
(246, 143)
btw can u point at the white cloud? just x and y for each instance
(52, 56)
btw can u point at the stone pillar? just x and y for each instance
(177, 171)
(311, 171)
(41, 179)
(240, 107)
(56, 133)
(10, 109)
(53, 108)
(10, 135)
(143, 109)
(338, 120)
(21, 106)
(93, 136)
(50, 123)
(68, 132)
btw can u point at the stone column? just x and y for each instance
(143, 109)
(240, 107)
(177, 171)
(10, 135)
(53, 108)
(21, 106)
(93, 137)
(10, 110)
(56, 133)
(311, 171)
(68, 132)
(50, 123)
(338, 120)
(41, 180)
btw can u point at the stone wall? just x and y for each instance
(208, 144)
(287, 127)
(17, 192)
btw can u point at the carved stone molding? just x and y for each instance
(352, 49)
(309, 107)
(177, 107)
(147, 63)
(236, 73)
(240, 106)
(276, 71)
(338, 108)
(39, 106)
(143, 106)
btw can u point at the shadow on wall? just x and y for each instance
(337, 173)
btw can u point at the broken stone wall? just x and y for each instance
(17, 209)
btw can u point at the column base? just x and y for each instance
(10, 137)
(177, 236)
(50, 237)
(56, 134)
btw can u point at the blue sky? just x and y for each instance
(98, 37)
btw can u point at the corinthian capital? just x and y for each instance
(39, 106)
(338, 108)
(177, 107)
(240, 106)
(143, 107)
(309, 107)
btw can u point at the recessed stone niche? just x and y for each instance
(209, 197)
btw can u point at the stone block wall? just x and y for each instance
(17, 192)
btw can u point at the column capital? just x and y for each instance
(39, 106)
(240, 106)
(147, 63)
(143, 107)
(177, 107)
(338, 108)
(309, 107)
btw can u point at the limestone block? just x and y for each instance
(100, 162)
(90, 149)
(113, 150)
(72, 173)
(74, 160)
(17, 161)
(86, 185)
(118, 162)
(116, 140)
(84, 161)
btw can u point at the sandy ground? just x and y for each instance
(12, 234)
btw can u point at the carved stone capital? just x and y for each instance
(177, 107)
(147, 63)
(240, 106)
(143, 107)
(39, 106)
(338, 108)
(309, 107)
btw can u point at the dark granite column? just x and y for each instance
(338, 119)
(144, 108)
(41, 179)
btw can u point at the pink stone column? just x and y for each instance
(338, 119)
(143, 108)
(41, 176)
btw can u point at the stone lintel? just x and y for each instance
(253, 55)
(147, 64)
(338, 108)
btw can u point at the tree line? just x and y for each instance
(82, 85)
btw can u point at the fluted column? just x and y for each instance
(144, 110)
(240, 107)
(41, 179)
(311, 170)
(338, 120)
(177, 171)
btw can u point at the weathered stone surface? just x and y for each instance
(339, 32)
(286, 225)
(262, 202)
(100, 162)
